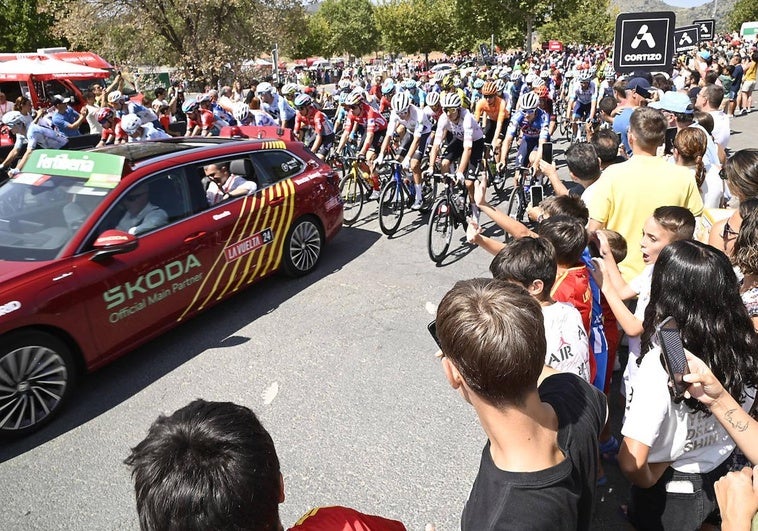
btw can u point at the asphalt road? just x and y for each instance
(338, 365)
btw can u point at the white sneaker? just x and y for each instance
(416, 205)
(374, 195)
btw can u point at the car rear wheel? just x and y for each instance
(37, 373)
(303, 246)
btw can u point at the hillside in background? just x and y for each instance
(684, 15)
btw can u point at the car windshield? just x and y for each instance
(40, 213)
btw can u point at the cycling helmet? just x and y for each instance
(545, 74)
(130, 123)
(289, 89)
(609, 71)
(457, 82)
(189, 106)
(438, 77)
(541, 91)
(451, 100)
(265, 88)
(410, 84)
(504, 74)
(13, 118)
(105, 114)
(500, 85)
(343, 97)
(354, 98)
(478, 84)
(447, 82)
(585, 76)
(538, 82)
(344, 84)
(241, 111)
(302, 101)
(516, 75)
(401, 102)
(489, 89)
(203, 98)
(388, 86)
(432, 99)
(529, 101)
(529, 79)
(115, 96)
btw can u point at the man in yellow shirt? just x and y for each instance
(627, 193)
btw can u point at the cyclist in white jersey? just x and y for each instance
(467, 145)
(583, 100)
(417, 128)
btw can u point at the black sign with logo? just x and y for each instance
(484, 51)
(707, 28)
(686, 38)
(644, 41)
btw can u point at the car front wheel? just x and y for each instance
(37, 373)
(302, 248)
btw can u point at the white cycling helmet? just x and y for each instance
(354, 98)
(241, 111)
(538, 82)
(529, 101)
(203, 98)
(516, 75)
(265, 88)
(451, 100)
(344, 84)
(130, 123)
(115, 96)
(401, 102)
(289, 88)
(302, 100)
(13, 118)
(500, 85)
(585, 76)
(432, 99)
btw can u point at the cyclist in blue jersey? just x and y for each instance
(583, 101)
(534, 125)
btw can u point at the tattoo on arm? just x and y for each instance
(736, 424)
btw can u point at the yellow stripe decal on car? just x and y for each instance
(287, 213)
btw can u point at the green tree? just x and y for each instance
(593, 23)
(415, 26)
(26, 27)
(206, 39)
(744, 11)
(313, 40)
(352, 28)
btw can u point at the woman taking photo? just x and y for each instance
(674, 451)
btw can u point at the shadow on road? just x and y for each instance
(108, 387)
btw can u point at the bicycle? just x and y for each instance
(399, 193)
(354, 188)
(447, 213)
(488, 167)
(522, 198)
(581, 132)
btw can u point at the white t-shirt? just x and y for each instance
(721, 130)
(712, 189)
(641, 286)
(696, 443)
(234, 182)
(568, 348)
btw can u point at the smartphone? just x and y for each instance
(669, 141)
(537, 194)
(547, 152)
(675, 362)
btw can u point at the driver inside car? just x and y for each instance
(141, 215)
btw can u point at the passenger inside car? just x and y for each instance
(225, 185)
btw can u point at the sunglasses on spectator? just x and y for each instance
(728, 232)
(432, 327)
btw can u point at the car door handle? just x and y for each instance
(276, 201)
(193, 237)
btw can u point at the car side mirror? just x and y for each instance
(113, 242)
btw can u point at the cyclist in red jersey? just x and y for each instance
(367, 127)
(311, 120)
(112, 132)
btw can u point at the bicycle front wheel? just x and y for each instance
(428, 192)
(391, 207)
(352, 197)
(439, 230)
(517, 204)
